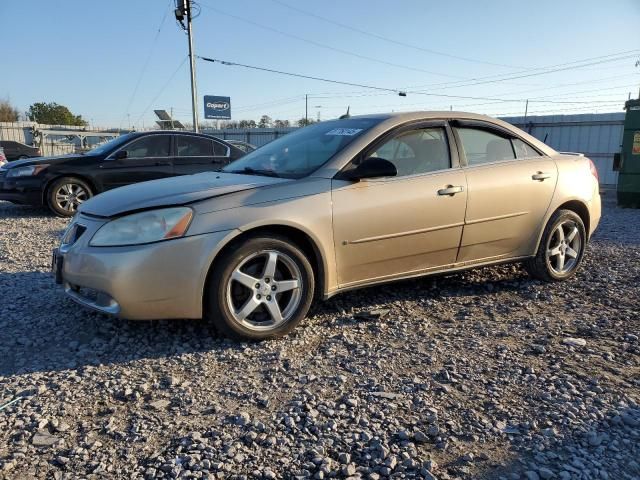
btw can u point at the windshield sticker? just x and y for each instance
(348, 132)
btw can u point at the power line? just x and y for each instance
(309, 77)
(328, 47)
(146, 63)
(540, 71)
(390, 40)
(467, 97)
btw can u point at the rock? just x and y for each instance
(574, 342)
(42, 439)
(531, 475)
(545, 473)
(160, 404)
(420, 437)
(242, 419)
(374, 314)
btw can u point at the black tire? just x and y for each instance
(544, 267)
(68, 209)
(222, 289)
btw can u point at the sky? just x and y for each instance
(115, 61)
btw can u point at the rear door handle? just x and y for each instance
(451, 190)
(158, 163)
(540, 176)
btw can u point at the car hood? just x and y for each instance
(172, 191)
(40, 160)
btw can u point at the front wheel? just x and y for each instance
(66, 194)
(561, 248)
(261, 289)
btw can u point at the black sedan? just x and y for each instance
(17, 151)
(63, 183)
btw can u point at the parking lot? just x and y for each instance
(483, 374)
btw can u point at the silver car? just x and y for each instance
(334, 206)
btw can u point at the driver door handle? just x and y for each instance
(451, 190)
(160, 162)
(540, 176)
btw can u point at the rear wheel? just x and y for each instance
(260, 290)
(561, 248)
(66, 194)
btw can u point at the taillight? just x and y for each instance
(594, 170)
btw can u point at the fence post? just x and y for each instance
(276, 133)
(248, 136)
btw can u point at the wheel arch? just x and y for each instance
(577, 206)
(47, 186)
(298, 236)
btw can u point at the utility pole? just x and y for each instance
(526, 110)
(306, 109)
(194, 93)
(183, 9)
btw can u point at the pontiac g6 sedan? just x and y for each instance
(334, 206)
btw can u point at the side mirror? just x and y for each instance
(372, 167)
(120, 155)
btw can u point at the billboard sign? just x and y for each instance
(217, 108)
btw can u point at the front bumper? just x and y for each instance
(24, 191)
(161, 280)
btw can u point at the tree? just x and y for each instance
(53, 114)
(303, 122)
(247, 124)
(265, 122)
(8, 113)
(281, 123)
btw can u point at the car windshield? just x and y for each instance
(303, 151)
(110, 145)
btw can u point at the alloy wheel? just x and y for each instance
(70, 195)
(264, 290)
(564, 247)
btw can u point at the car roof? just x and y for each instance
(398, 118)
(174, 132)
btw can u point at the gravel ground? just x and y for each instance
(484, 374)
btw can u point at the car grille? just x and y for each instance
(73, 234)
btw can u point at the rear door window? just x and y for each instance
(482, 146)
(524, 150)
(219, 149)
(191, 146)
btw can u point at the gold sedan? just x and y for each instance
(334, 206)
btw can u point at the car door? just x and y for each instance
(510, 188)
(195, 154)
(411, 223)
(144, 158)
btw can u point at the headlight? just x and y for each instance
(144, 227)
(29, 171)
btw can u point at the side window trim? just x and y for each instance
(491, 128)
(111, 156)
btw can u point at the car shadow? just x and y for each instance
(10, 210)
(589, 449)
(44, 331)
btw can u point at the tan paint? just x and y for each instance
(505, 204)
(388, 226)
